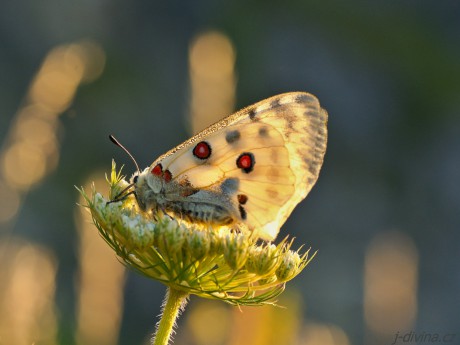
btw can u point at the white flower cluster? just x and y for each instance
(211, 263)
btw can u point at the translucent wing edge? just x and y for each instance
(306, 140)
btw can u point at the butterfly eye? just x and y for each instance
(135, 179)
(202, 150)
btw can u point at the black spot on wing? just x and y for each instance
(252, 114)
(275, 103)
(303, 98)
(263, 131)
(232, 136)
(230, 186)
(243, 213)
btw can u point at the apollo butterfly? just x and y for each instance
(246, 171)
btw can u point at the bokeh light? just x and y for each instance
(31, 149)
(212, 79)
(27, 294)
(390, 285)
(323, 334)
(208, 323)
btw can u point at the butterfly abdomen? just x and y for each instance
(203, 213)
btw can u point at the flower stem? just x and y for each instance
(173, 305)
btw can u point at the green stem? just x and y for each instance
(174, 303)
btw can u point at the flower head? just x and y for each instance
(212, 263)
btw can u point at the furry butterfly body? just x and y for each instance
(248, 170)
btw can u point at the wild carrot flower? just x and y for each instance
(192, 259)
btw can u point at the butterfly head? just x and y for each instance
(148, 187)
(138, 181)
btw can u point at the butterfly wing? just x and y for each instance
(272, 152)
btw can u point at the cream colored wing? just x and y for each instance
(273, 150)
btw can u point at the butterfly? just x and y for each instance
(247, 171)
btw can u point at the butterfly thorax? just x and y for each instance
(154, 193)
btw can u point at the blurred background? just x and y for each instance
(384, 215)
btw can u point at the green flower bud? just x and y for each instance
(236, 250)
(172, 237)
(289, 266)
(215, 242)
(263, 260)
(198, 244)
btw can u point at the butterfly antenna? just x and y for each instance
(116, 142)
(120, 196)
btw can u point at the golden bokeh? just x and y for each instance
(390, 285)
(207, 322)
(212, 56)
(212, 323)
(35, 130)
(212, 79)
(23, 165)
(31, 149)
(93, 57)
(268, 325)
(56, 82)
(62, 71)
(323, 334)
(27, 294)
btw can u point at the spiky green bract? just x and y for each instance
(211, 263)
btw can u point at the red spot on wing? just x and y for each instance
(157, 170)
(202, 150)
(246, 162)
(167, 176)
(242, 199)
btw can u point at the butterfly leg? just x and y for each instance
(155, 213)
